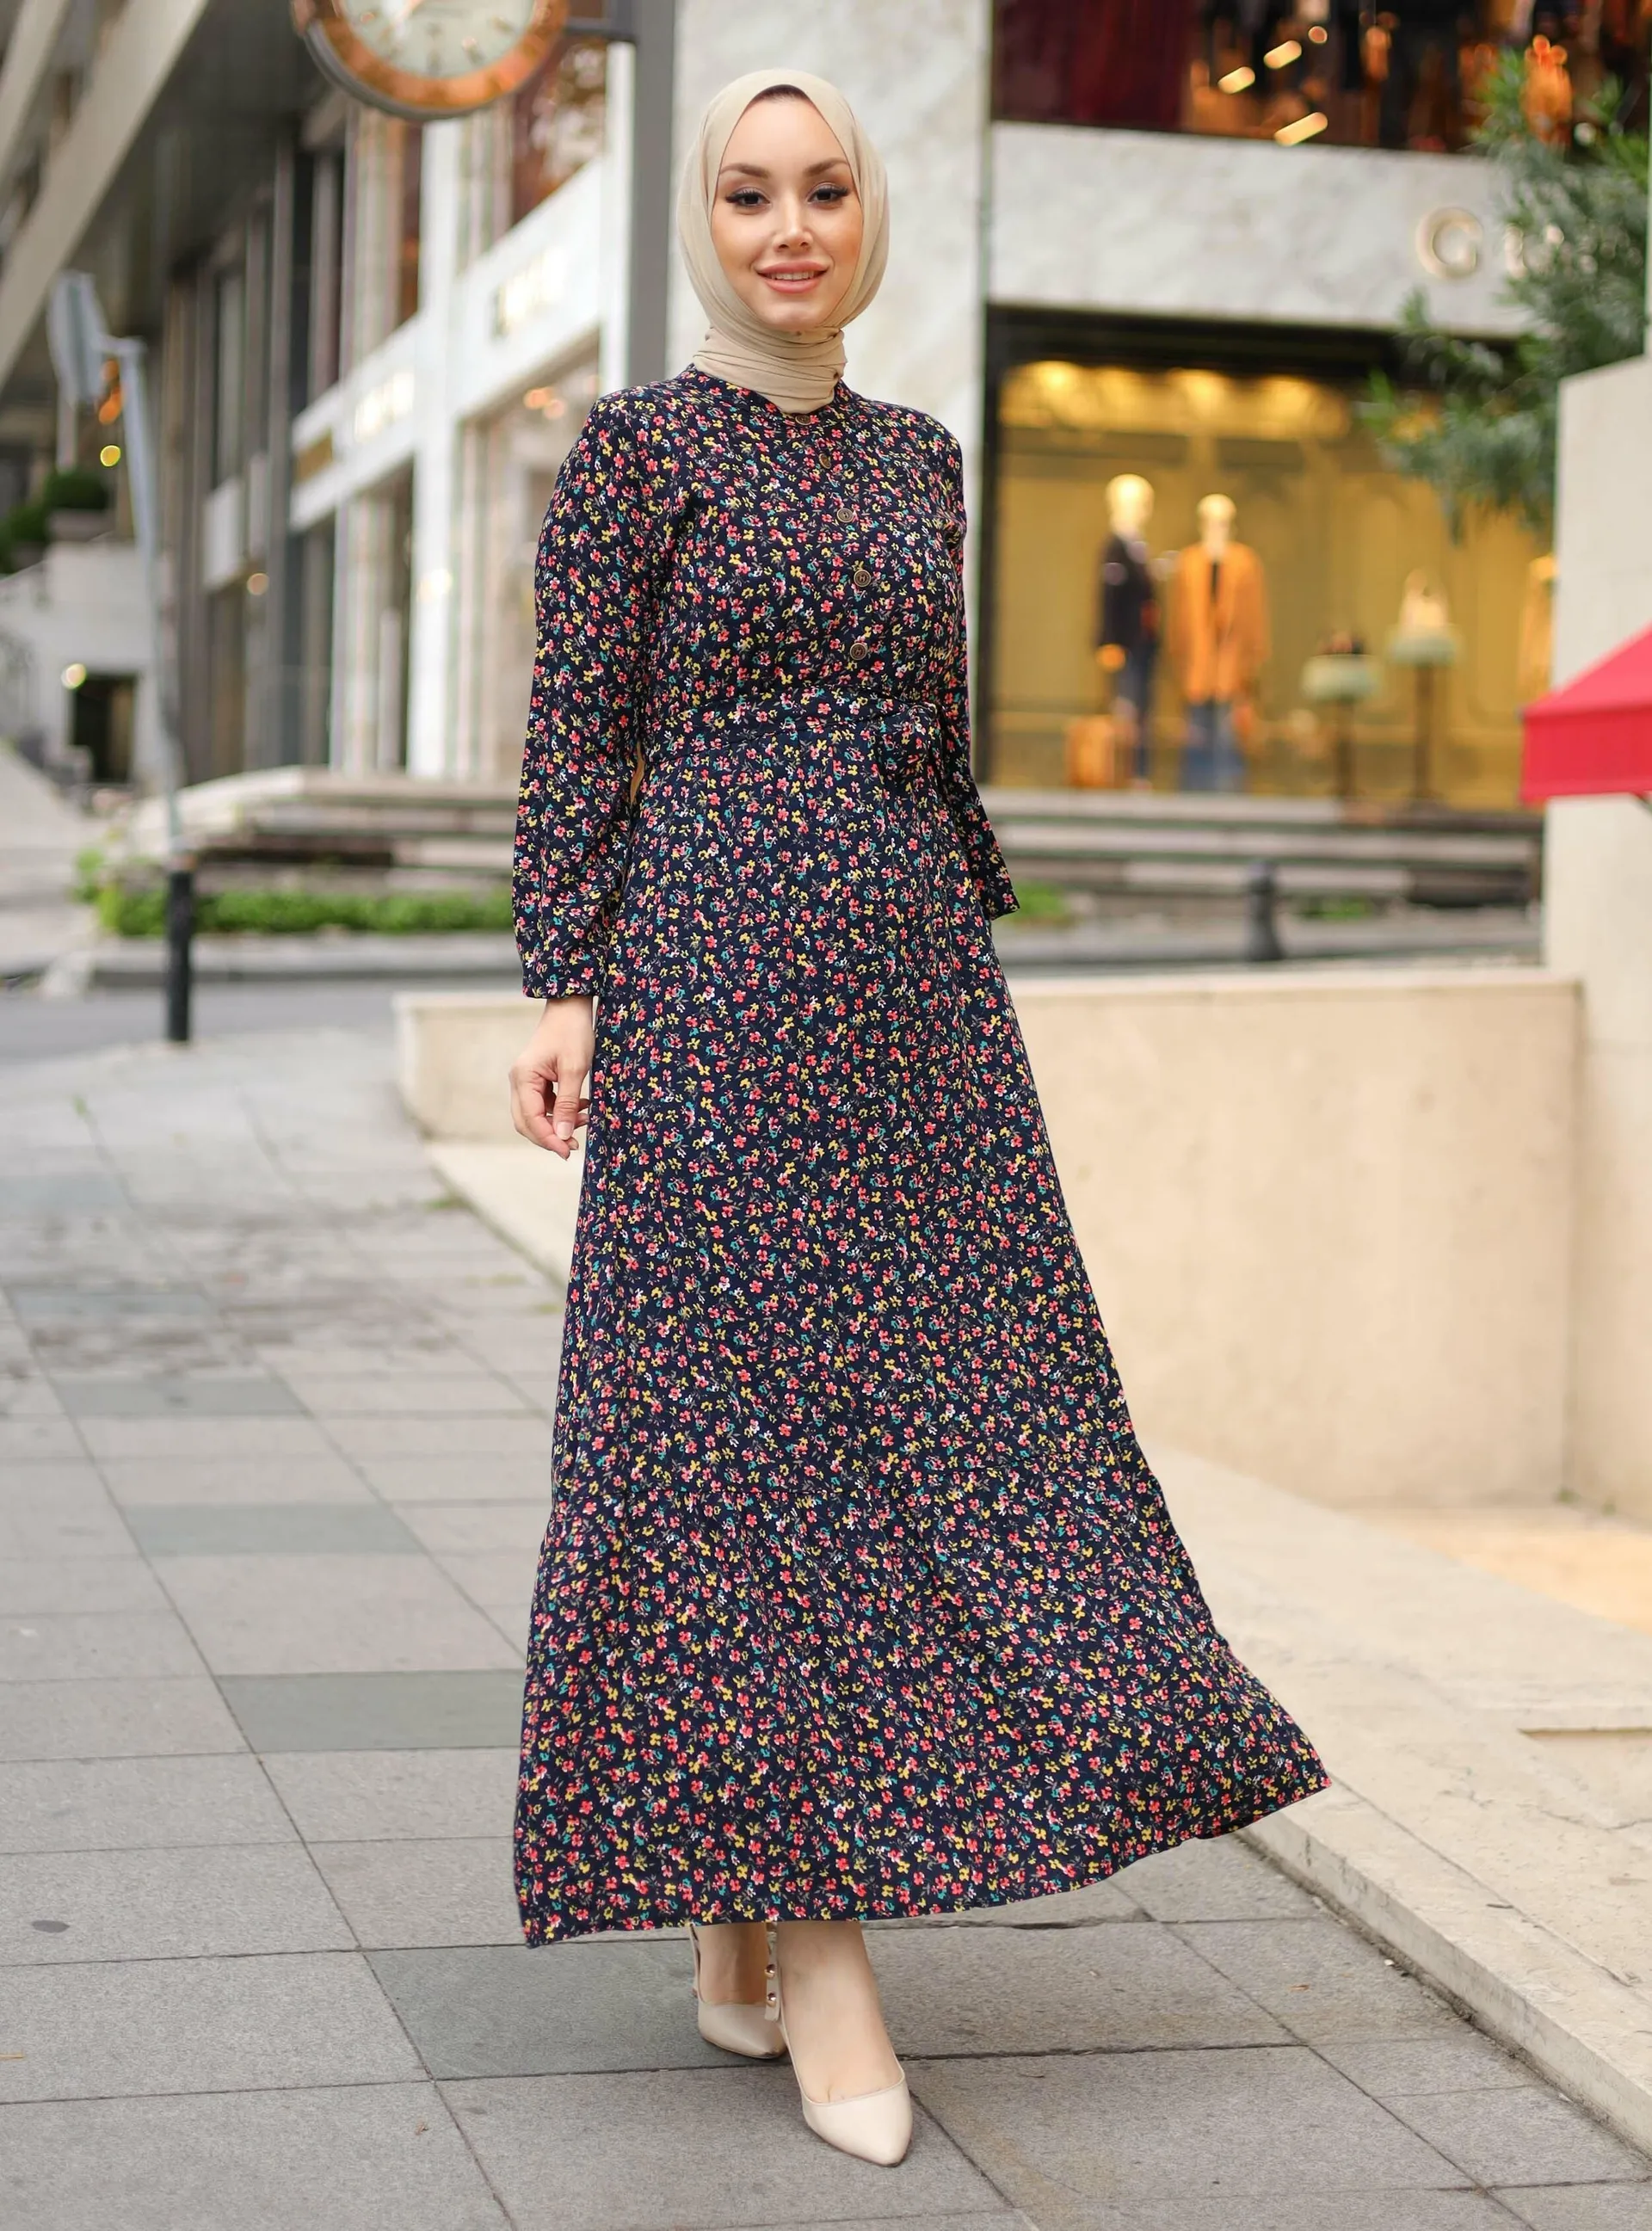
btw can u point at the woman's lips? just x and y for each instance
(789, 282)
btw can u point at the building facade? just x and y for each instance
(1170, 243)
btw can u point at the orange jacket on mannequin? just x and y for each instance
(1218, 644)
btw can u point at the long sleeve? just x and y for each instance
(980, 847)
(593, 592)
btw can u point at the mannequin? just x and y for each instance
(1127, 620)
(1219, 643)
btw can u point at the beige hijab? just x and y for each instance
(797, 370)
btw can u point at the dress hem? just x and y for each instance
(1033, 1883)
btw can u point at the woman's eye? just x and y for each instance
(745, 197)
(830, 194)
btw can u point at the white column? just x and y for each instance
(431, 709)
(1598, 927)
(616, 217)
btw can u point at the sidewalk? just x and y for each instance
(273, 1472)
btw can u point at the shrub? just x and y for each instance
(140, 910)
(76, 487)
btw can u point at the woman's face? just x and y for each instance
(786, 219)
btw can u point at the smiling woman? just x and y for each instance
(859, 1599)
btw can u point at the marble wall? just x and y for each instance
(917, 77)
(1173, 225)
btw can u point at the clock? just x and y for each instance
(428, 59)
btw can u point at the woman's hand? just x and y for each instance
(547, 1096)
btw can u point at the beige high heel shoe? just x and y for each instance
(749, 2030)
(874, 2126)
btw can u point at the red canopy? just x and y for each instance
(1593, 739)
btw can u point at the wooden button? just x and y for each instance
(846, 515)
(860, 649)
(863, 576)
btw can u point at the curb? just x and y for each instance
(1576, 2024)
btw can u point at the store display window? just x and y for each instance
(1408, 76)
(1207, 580)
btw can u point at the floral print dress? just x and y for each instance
(858, 1596)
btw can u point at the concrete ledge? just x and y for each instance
(1512, 1872)
(1579, 2025)
(527, 1196)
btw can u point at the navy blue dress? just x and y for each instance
(858, 1596)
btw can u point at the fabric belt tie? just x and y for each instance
(904, 732)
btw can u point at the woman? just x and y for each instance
(858, 1597)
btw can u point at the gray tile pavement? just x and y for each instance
(274, 1455)
(464, 1711)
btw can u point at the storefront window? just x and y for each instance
(557, 123)
(1407, 75)
(517, 155)
(509, 467)
(1228, 552)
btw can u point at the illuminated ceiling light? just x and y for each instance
(109, 454)
(1305, 127)
(1318, 34)
(257, 584)
(1287, 51)
(1236, 80)
(72, 676)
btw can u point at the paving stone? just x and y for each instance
(195, 1529)
(122, 1804)
(67, 1194)
(1004, 2220)
(235, 2025)
(72, 1645)
(463, 1529)
(1462, 2062)
(495, 1576)
(702, 2147)
(378, 2157)
(1582, 2207)
(510, 2011)
(367, 1614)
(40, 1305)
(378, 1711)
(512, 1440)
(488, 1478)
(164, 1904)
(300, 1356)
(114, 1719)
(174, 1481)
(1525, 2137)
(1066, 2137)
(204, 1394)
(1215, 1879)
(62, 1511)
(1320, 1979)
(27, 1393)
(1288, 2211)
(39, 1440)
(423, 1395)
(1002, 1991)
(398, 1895)
(382, 1796)
(123, 1438)
(79, 1584)
(513, 1621)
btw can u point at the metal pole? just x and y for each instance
(650, 28)
(1261, 927)
(146, 519)
(653, 26)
